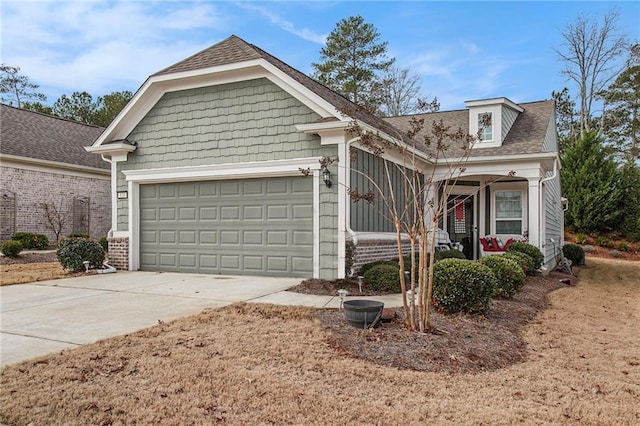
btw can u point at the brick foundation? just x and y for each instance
(119, 253)
(371, 250)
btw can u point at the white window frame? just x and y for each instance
(511, 187)
(489, 130)
(475, 114)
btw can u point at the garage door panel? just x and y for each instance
(277, 212)
(253, 226)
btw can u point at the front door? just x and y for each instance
(461, 222)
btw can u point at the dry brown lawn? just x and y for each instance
(31, 272)
(259, 364)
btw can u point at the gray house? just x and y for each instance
(218, 168)
(43, 161)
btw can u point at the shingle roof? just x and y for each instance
(234, 49)
(525, 137)
(44, 137)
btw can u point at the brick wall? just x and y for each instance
(119, 253)
(371, 250)
(32, 188)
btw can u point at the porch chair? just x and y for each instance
(493, 245)
(443, 241)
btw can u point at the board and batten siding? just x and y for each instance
(367, 167)
(238, 122)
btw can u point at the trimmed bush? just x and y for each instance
(531, 250)
(72, 252)
(524, 260)
(509, 274)
(462, 285)
(383, 277)
(580, 238)
(367, 266)
(104, 243)
(11, 248)
(450, 254)
(29, 240)
(78, 235)
(574, 253)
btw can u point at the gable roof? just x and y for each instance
(33, 135)
(234, 49)
(526, 136)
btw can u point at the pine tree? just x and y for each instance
(352, 60)
(593, 185)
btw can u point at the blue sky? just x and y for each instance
(461, 50)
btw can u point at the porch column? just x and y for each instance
(534, 211)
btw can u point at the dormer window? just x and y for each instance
(491, 120)
(485, 126)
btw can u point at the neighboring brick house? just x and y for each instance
(43, 161)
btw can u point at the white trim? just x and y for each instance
(55, 167)
(156, 86)
(343, 158)
(112, 149)
(494, 101)
(316, 223)
(259, 169)
(520, 186)
(247, 169)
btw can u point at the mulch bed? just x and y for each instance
(324, 287)
(29, 257)
(461, 343)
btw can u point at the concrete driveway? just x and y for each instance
(48, 316)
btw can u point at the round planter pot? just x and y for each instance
(363, 313)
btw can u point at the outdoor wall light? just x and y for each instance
(326, 176)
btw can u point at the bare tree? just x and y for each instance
(589, 52)
(429, 158)
(400, 93)
(56, 217)
(17, 87)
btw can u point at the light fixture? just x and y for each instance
(342, 293)
(326, 176)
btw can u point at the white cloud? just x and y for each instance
(103, 46)
(304, 33)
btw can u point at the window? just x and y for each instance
(508, 205)
(485, 126)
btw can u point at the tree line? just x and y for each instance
(18, 90)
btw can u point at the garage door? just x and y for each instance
(246, 227)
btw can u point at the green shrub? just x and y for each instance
(78, 235)
(624, 246)
(349, 254)
(580, 238)
(602, 242)
(11, 248)
(104, 243)
(462, 285)
(509, 274)
(30, 240)
(450, 254)
(524, 260)
(574, 253)
(72, 252)
(367, 266)
(531, 250)
(383, 277)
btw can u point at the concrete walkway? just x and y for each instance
(48, 316)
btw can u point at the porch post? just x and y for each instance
(534, 211)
